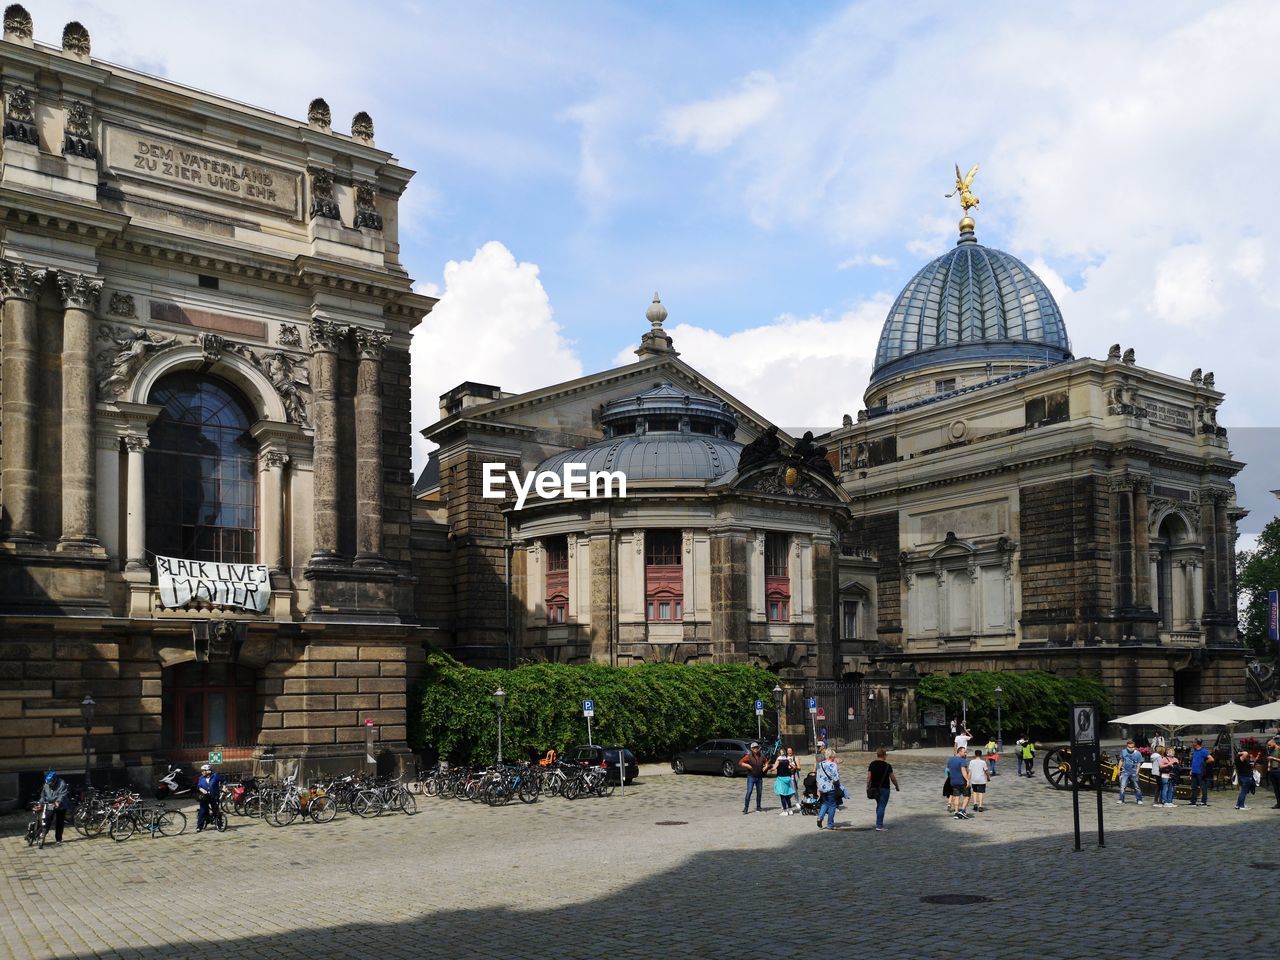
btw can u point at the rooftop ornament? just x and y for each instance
(318, 114)
(17, 22)
(362, 127)
(968, 200)
(75, 39)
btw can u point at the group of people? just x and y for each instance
(1166, 768)
(821, 786)
(55, 800)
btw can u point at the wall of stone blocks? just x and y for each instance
(879, 532)
(1065, 557)
(397, 470)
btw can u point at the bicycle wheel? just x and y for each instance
(253, 806)
(322, 809)
(123, 827)
(604, 788)
(283, 813)
(367, 804)
(410, 805)
(220, 821)
(171, 823)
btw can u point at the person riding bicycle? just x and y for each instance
(209, 787)
(54, 796)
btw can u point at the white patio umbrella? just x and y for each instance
(1170, 717)
(1268, 711)
(1229, 713)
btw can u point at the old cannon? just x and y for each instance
(1061, 775)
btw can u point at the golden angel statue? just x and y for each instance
(963, 183)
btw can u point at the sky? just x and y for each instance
(777, 172)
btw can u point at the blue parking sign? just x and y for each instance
(759, 707)
(588, 708)
(813, 704)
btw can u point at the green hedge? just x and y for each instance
(655, 709)
(1034, 702)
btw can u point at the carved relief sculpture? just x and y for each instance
(19, 281)
(325, 335)
(323, 203)
(366, 211)
(211, 345)
(77, 138)
(289, 336)
(133, 348)
(121, 305)
(370, 343)
(19, 117)
(288, 375)
(75, 39)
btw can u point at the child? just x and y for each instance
(1029, 757)
(978, 781)
(1244, 774)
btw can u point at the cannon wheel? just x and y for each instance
(1057, 769)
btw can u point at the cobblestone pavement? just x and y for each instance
(612, 878)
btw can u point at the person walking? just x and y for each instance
(784, 784)
(209, 790)
(1201, 773)
(958, 772)
(795, 770)
(1169, 770)
(1029, 756)
(962, 739)
(1273, 768)
(828, 788)
(1130, 763)
(992, 756)
(54, 795)
(1157, 758)
(1017, 752)
(755, 763)
(1244, 776)
(978, 781)
(879, 775)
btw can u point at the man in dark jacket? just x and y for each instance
(209, 790)
(54, 795)
(754, 762)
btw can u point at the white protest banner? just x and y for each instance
(243, 585)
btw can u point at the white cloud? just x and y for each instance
(794, 371)
(494, 324)
(866, 260)
(1121, 152)
(711, 125)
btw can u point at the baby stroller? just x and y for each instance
(809, 803)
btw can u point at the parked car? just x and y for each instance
(714, 756)
(609, 758)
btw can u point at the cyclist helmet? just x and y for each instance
(48, 777)
(204, 768)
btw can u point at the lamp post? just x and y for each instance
(871, 702)
(499, 701)
(87, 706)
(999, 721)
(777, 707)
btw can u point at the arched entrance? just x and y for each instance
(1177, 562)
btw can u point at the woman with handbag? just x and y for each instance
(879, 775)
(828, 788)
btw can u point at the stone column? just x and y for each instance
(20, 287)
(135, 538)
(370, 345)
(272, 551)
(325, 337)
(1122, 531)
(1224, 544)
(1141, 544)
(80, 304)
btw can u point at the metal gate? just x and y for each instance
(842, 713)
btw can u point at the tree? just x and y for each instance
(1258, 571)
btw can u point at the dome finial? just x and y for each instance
(656, 312)
(968, 200)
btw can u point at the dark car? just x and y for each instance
(609, 757)
(714, 756)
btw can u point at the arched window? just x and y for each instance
(202, 489)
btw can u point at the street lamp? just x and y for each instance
(499, 701)
(777, 708)
(87, 706)
(999, 721)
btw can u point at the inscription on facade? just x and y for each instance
(1169, 415)
(210, 173)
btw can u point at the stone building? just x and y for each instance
(1000, 505)
(205, 359)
